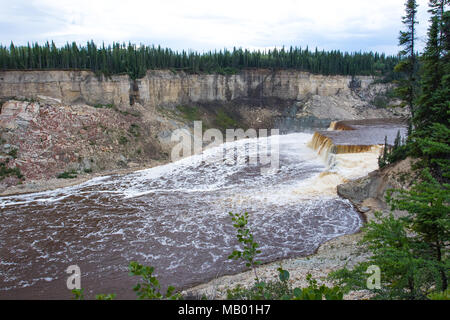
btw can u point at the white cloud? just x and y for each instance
(200, 24)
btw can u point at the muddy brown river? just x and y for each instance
(173, 217)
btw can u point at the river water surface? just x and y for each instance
(173, 217)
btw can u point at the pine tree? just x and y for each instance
(431, 139)
(408, 66)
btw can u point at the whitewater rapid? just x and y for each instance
(175, 218)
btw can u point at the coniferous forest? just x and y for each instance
(136, 60)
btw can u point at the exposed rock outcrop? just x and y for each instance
(370, 191)
(316, 95)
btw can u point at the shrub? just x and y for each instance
(104, 106)
(123, 140)
(6, 172)
(134, 130)
(245, 237)
(68, 175)
(189, 113)
(13, 153)
(224, 121)
(149, 287)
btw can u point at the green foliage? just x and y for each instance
(271, 290)
(404, 274)
(314, 292)
(224, 121)
(189, 113)
(6, 172)
(67, 175)
(427, 203)
(123, 140)
(13, 153)
(78, 294)
(149, 287)
(391, 154)
(110, 296)
(104, 106)
(429, 137)
(407, 89)
(380, 101)
(445, 295)
(282, 290)
(245, 237)
(134, 130)
(137, 60)
(411, 251)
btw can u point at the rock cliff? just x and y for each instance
(161, 88)
(369, 192)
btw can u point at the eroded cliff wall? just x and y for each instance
(163, 88)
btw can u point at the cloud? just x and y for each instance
(348, 25)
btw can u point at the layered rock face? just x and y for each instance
(166, 88)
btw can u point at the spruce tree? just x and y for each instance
(408, 66)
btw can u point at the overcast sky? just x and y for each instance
(348, 25)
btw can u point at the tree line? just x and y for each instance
(412, 251)
(136, 60)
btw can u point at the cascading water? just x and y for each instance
(173, 217)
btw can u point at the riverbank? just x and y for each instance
(41, 185)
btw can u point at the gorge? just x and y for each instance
(174, 216)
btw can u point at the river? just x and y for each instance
(173, 217)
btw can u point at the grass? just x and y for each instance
(72, 174)
(189, 113)
(224, 121)
(104, 106)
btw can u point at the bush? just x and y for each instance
(13, 153)
(281, 289)
(68, 175)
(6, 172)
(149, 287)
(224, 121)
(104, 106)
(189, 113)
(123, 140)
(134, 130)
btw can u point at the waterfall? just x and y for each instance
(343, 161)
